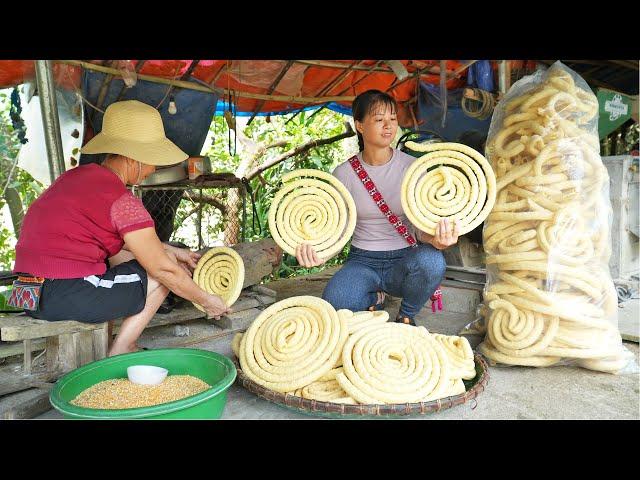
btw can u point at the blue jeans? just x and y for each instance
(410, 273)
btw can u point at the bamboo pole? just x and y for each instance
(324, 63)
(202, 88)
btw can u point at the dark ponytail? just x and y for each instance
(365, 103)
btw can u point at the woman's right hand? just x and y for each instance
(307, 256)
(215, 306)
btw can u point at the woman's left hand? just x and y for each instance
(447, 232)
(185, 256)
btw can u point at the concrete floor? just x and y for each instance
(561, 392)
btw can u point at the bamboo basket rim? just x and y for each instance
(320, 408)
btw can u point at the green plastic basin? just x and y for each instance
(213, 368)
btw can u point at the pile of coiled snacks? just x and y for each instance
(312, 207)
(550, 296)
(450, 181)
(301, 346)
(220, 271)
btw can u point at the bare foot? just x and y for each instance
(120, 351)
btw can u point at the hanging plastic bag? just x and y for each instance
(129, 74)
(549, 297)
(480, 75)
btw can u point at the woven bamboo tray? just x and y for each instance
(336, 410)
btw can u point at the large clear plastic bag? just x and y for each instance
(549, 297)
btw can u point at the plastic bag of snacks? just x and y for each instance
(549, 297)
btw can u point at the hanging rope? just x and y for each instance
(230, 118)
(254, 216)
(482, 108)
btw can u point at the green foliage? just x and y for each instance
(27, 188)
(265, 131)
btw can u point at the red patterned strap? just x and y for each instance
(376, 195)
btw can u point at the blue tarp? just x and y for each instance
(222, 106)
(458, 126)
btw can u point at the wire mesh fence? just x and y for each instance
(197, 216)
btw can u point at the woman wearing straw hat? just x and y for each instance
(88, 216)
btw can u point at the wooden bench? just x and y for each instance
(69, 344)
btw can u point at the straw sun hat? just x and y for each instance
(134, 129)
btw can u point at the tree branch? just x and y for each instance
(300, 149)
(12, 197)
(210, 201)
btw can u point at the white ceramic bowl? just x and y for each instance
(146, 374)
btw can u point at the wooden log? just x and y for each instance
(260, 259)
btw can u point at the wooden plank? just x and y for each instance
(53, 350)
(189, 312)
(84, 345)
(238, 320)
(25, 328)
(16, 383)
(179, 315)
(32, 406)
(67, 352)
(15, 320)
(244, 303)
(100, 342)
(206, 338)
(265, 300)
(264, 290)
(17, 348)
(26, 352)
